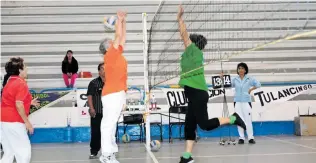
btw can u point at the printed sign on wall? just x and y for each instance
(279, 94)
(46, 98)
(176, 97)
(82, 103)
(263, 95)
(82, 98)
(83, 112)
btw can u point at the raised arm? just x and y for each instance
(182, 28)
(123, 37)
(120, 30)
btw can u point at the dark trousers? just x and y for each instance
(95, 143)
(197, 113)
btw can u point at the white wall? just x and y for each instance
(283, 112)
(278, 111)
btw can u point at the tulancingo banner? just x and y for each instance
(267, 96)
(264, 95)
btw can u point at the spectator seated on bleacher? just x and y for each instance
(70, 69)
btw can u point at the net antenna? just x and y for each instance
(243, 31)
(146, 47)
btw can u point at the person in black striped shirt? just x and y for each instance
(95, 110)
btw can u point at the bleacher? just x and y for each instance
(42, 31)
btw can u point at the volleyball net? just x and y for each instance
(270, 36)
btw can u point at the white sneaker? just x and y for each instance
(113, 158)
(105, 159)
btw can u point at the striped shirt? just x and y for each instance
(95, 90)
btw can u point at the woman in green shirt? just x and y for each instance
(192, 79)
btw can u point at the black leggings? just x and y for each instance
(197, 113)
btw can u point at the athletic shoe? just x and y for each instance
(105, 159)
(252, 141)
(241, 141)
(113, 158)
(189, 160)
(93, 156)
(239, 121)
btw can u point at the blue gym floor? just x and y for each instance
(270, 149)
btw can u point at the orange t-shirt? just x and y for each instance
(115, 69)
(16, 89)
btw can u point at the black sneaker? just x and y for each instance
(93, 156)
(241, 141)
(189, 160)
(252, 141)
(239, 121)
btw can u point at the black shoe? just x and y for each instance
(241, 141)
(189, 160)
(93, 156)
(251, 141)
(239, 121)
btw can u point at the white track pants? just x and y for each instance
(15, 143)
(112, 107)
(245, 112)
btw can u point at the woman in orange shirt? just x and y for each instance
(114, 89)
(15, 108)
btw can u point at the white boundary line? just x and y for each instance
(245, 155)
(288, 142)
(214, 156)
(170, 145)
(151, 154)
(63, 161)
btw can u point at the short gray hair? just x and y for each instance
(104, 45)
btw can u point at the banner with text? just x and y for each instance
(269, 95)
(46, 99)
(82, 103)
(263, 95)
(176, 97)
(272, 97)
(82, 98)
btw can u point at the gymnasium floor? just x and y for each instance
(272, 149)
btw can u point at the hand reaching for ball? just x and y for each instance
(121, 15)
(180, 12)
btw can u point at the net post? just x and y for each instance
(146, 83)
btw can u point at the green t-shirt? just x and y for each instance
(192, 69)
